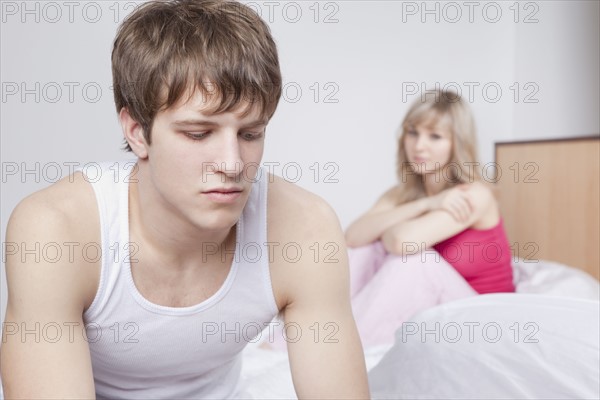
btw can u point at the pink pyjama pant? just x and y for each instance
(388, 289)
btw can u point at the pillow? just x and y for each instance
(548, 277)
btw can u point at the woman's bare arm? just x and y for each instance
(440, 223)
(382, 216)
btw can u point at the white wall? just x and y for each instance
(561, 54)
(369, 57)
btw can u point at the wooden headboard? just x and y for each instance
(549, 198)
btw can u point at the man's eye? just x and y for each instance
(252, 135)
(196, 136)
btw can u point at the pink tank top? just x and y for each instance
(482, 257)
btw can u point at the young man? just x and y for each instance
(196, 255)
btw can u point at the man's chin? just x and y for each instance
(220, 220)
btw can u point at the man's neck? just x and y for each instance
(162, 233)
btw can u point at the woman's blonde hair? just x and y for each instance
(447, 109)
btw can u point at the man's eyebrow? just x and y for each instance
(188, 122)
(259, 122)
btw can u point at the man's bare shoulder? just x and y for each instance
(44, 239)
(299, 218)
(294, 209)
(309, 241)
(64, 205)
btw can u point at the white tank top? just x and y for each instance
(141, 350)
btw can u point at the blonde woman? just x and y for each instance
(437, 235)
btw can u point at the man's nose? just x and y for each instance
(229, 159)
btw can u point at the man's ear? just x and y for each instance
(133, 133)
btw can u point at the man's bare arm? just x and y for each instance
(44, 349)
(326, 355)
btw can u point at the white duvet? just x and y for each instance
(540, 343)
(496, 346)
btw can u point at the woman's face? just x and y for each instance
(428, 147)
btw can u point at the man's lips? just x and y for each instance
(224, 196)
(224, 190)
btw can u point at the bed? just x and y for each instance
(541, 342)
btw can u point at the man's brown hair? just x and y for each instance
(169, 49)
